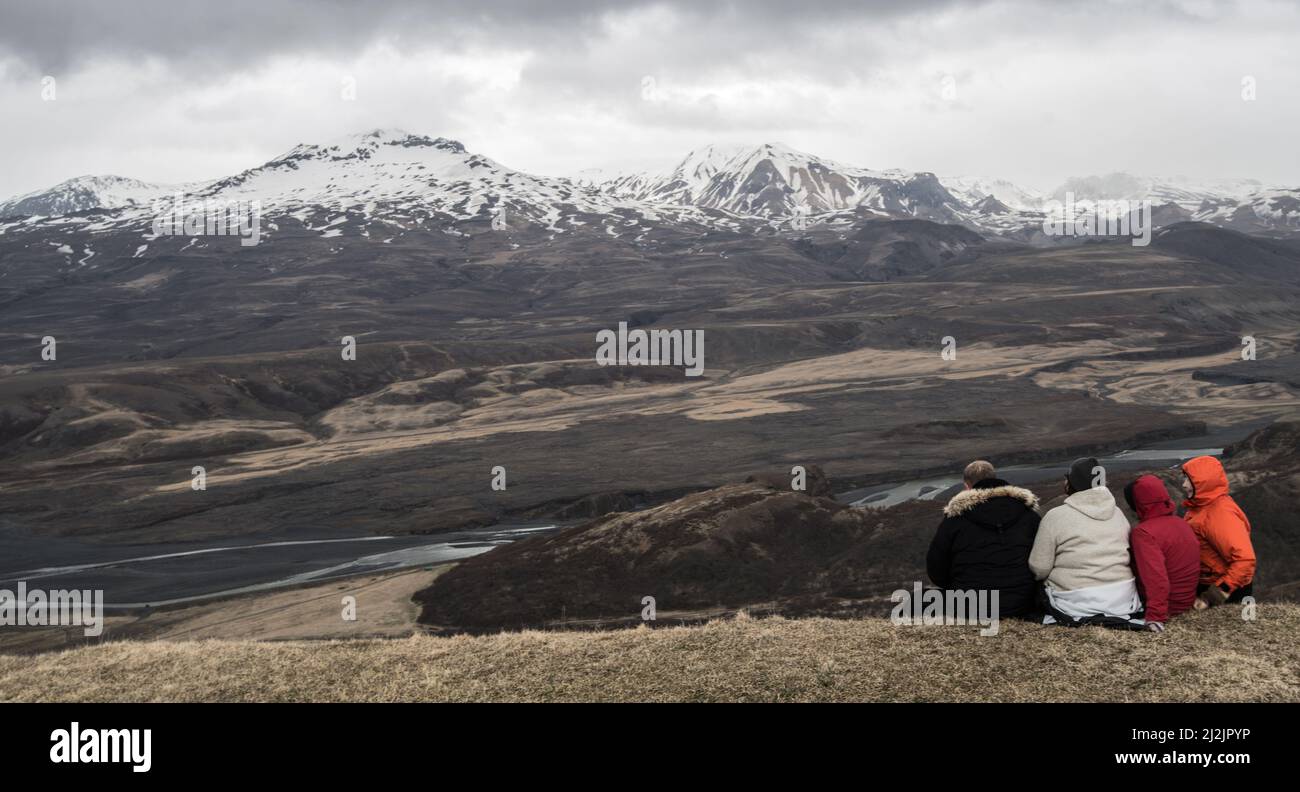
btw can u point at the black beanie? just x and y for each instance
(1081, 475)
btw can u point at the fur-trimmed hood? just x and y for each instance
(966, 500)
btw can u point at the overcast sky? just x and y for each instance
(1034, 92)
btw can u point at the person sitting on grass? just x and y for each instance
(983, 542)
(1166, 554)
(1227, 555)
(1081, 554)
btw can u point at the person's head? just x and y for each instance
(1204, 480)
(976, 472)
(1147, 497)
(1129, 497)
(1084, 474)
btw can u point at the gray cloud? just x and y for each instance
(188, 90)
(59, 37)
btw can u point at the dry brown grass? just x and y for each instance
(1212, 656)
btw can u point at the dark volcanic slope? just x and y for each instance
(741, 544)
(209, 296)
(1231, 250)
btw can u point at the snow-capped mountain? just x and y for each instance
(398, 181)
(1241, 204)
(972, 190)
(774, 180)
(389, 172)
(1265, 211)
(87, 192)
(1188, 193)
(389, 166)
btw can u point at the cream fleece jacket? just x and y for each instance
(1083, 542)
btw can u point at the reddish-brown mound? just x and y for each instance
(750, 544)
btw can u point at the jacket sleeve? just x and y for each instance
(1042, 558)
(1149, 561)
(1230, 538)
(938, 562)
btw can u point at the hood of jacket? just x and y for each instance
(1096, 504)
(992, 502)
(1150, 499)
(1209, 482)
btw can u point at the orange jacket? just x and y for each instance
(1227, 555)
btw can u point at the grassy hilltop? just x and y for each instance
(1210, 656)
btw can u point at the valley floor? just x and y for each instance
(1210, 656)
(382, 608)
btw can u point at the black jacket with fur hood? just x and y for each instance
(984, 543)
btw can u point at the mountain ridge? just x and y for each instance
(395, 174)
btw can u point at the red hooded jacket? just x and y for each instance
(1166, 553)
(1227, 555)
